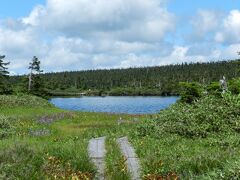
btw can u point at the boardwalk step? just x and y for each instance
(132, 160)
(96, 150)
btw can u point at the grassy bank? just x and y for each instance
(198, 141)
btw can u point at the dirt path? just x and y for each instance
(132, 160)
(96, 150)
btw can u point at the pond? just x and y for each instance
(116, 104)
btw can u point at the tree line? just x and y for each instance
(158, 80)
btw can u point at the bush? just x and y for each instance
(5, 88)
(234, 86)
(214, 89)
(208, 116)
(190, 92)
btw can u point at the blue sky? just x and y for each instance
(16, 8)
(191, 6)
(80, 34)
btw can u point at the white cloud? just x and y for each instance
(129, 20)
(34, 17)
(205, 21)
(19, 46)
(231, 51)
(230, 29)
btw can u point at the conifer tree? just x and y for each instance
(4, 74)
(34, 80)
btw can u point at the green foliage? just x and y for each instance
(36, 84)
(234, 86)
(5, 87)
(21, 161)
(199, 140)
(208, 116)
(190, 92)
(38, 88)
(147, 128)
(115, 162)
(3, 68)
(35, 65)
(22, 100)
(214, 89)
(7, 127)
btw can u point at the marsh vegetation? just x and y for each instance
(198, 140)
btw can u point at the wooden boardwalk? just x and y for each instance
(96, 150)
(132, 160)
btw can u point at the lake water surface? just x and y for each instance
(113, 104)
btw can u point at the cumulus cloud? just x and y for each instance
(76, 54)
(205, 21)
(20, 45)
(230, 29)
(134, 20)
(34, 17)
(213, 34)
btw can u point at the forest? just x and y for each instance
(158, 80)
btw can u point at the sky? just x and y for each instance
(99, 34)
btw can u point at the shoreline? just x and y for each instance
(72, 94)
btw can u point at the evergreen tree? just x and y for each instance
(4, 74)
(3, 68)
(35, 83)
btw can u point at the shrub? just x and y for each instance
(210, 115)
(190, 92)
(214, 89)
(234, 86)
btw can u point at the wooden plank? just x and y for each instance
(96, 150)
(132, 160)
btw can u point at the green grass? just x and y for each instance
(115, 162)
(62, 153)
(22, 101)
(163, 150)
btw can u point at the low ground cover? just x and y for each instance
(198, 141)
